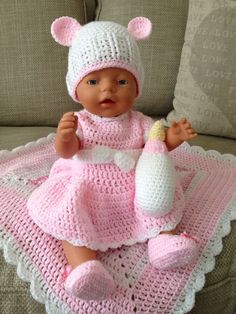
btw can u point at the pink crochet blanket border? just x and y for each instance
(209, 182)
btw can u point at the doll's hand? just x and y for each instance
(66, 142)
(178, 133)
(182, 130)
(67, 126)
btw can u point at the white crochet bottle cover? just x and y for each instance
(155, 175)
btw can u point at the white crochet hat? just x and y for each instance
(99, 45)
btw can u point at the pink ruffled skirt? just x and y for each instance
(92, 205)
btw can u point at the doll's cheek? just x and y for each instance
(80, 93)
(76, 95)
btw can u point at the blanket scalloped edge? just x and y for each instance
(207, 263)
(29, 273)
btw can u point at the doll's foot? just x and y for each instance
(168, 251)
(90, 281)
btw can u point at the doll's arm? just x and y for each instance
(67, 142)
(178, 133)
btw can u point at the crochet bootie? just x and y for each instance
(167, 251)
(90, 281)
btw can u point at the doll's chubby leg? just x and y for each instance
(169, 250)
(88, 279)
(174, 231)
(77, 255)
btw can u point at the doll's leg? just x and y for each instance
(169, 250)
(174, 231)
(88, 279)
(77, 255)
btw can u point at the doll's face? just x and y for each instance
(108, 92)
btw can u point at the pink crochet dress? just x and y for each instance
(89, 200)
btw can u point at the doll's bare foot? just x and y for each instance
(87, 279)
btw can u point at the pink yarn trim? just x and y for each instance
(140, 27)
(64, 29)
(65, 273)
(209, 183)
(155, 146)
(100, 66)
(39, 180)
(189, 236)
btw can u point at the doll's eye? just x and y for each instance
(92, 82)
(122, 82)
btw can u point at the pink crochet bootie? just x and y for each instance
(167, 251)
(90, 281)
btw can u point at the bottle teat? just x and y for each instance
(157, 132)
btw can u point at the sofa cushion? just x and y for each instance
(33, 66)
(220, 144)
(160, 53)
(12, 137)
(206, 87)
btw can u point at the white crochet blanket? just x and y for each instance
(209, 183)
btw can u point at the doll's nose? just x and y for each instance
(108, 86)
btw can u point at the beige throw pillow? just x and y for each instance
(205, 92)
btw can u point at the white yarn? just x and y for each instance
(155, 183)
(124, 159)
(185, 302)
(99, 45)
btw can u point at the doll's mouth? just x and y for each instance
(107, 102)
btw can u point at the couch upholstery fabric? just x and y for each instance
(33, 66)
(33, 96)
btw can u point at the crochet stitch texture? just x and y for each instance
(155, 175)
(92, 204)
(209, 184)
(100, 45)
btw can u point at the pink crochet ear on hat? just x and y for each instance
(63, 30)
(140, 27)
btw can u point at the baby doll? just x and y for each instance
(88, 200)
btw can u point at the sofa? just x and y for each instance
(190, 72)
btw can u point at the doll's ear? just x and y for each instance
(63, 30)
(140, 27)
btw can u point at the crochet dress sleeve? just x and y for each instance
(79, 131)
(146, 123)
